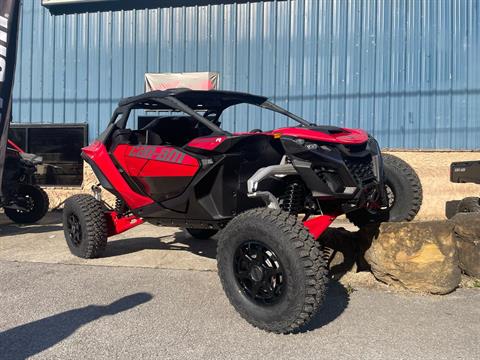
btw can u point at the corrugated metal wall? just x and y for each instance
(407, 71)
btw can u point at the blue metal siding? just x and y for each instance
(406, 70)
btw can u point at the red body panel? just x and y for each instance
(155, 169)
(350, 136)
(207, 143)
(147, 161)
(99, 155)
(319, 224)
(133, 166)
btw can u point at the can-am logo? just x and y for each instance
(158, 153)
(3, 46)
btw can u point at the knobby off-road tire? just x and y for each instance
(403, 183)
(37, 204)
(201, 234)
(291, 253)
(85, 226)
(469, 204)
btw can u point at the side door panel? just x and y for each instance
(162, 172)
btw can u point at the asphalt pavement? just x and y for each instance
(62, 310)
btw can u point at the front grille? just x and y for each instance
(361, 169)
(356, 148)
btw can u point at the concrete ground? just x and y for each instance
(155, 295)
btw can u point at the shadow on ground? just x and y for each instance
(51, 222)
(32, 338)
(335, 303)
(180, 241)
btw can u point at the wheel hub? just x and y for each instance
(259, 272)
(256, 273)
(25, 203)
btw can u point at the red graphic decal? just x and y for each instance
(207, 143)
(159, 161)
(158, 153)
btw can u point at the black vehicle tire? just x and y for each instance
(84, 226)
(404, 185)
(297, 270)
(202, 234)
(37, 200)
(469, 204)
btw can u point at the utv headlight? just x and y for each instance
(311, 146)
(307, 144)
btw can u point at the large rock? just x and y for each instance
(418, 256)
(467, 237)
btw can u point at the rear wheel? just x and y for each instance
(202, 234)
(35, 202)
(271, 269)
(469, 204)
(404, 192)
(85, 226)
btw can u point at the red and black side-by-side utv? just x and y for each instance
(23, 200)
(269, 194)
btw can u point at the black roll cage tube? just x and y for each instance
(176, 104)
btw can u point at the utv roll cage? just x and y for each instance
(211, 102)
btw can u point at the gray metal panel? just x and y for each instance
(407, 71)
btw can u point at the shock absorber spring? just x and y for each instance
(120, 206)
(293, 199)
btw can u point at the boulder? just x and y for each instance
(467, 237)
(418, 256)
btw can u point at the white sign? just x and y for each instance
(192, 80)
(67, 2)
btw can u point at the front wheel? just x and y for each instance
(404, 192)
(84, 226)
(271, 269)
(34, 201)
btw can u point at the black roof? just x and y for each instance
(195, 99)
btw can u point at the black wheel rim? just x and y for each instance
(259, 273)
(26, 202)
(74, 230)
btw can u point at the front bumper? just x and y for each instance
(352, 174)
